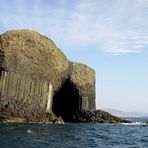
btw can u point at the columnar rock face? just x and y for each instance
(28, 53)
(36, 79)
(83, 77)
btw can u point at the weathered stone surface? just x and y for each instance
(35, 75)
(97, 116)
(29, 53)
(83, 77)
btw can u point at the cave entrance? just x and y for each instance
(66, 101)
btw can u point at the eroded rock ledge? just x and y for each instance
(97, 116)
(39, 84)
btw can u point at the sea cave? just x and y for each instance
(66, 101)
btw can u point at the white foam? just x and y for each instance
(11, 128)
(29, 131)
(135, 123)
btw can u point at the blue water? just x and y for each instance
(74, 135)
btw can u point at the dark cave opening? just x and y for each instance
(66, 101)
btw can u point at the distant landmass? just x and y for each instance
(120, 113)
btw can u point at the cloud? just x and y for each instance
(112, 26)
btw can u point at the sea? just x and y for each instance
(75, 135)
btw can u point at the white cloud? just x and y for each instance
(114, 26)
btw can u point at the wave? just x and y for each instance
(135, 123)
(29, 131)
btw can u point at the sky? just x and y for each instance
(110, 36)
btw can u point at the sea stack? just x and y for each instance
(37, 81)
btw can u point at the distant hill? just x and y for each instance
(120, 113)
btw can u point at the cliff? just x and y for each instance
(36, 78)
(39, 84)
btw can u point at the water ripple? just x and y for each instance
(73, 136)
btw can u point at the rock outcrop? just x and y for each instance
(37, 78)
(97, 116)
(30, 54)
(39, 84)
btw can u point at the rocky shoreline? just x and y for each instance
(46, 118)
(97, 116)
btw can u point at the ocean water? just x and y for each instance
(73, 135)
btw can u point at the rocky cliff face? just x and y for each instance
(39, 84)
(83, 77)
(28, 53)
(36, 79)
